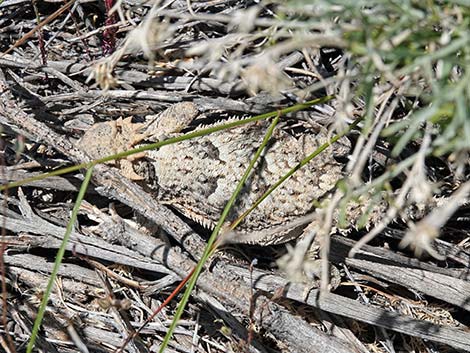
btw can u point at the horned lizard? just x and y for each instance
(198, 176)
(109, 138)
(112, 137)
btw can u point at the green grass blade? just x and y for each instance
(209, 248)
(58, 260)
(286, 176)
(169, 141)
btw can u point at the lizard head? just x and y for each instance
(112, 137)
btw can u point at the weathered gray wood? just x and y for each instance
(342, 245)
(339, 305)
(278, 320)
(449, 285)
(33, 263)
(48, 96)
(451, 290)
(55, 183)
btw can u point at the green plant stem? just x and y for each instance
(209, 247)
(169, 141)
(302, 163)
(58, 260)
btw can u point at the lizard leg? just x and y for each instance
(128, 170)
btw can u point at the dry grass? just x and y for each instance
(402, 67)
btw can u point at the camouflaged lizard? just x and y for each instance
(198, 176)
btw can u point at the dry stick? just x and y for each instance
(173, 294)
(62, 144)
(155, 313)
(156, 145)
(422, 234)
(398, 202)
(251, 315)
(109, 35)
(3, 247)
(38, 27)
(42, 48)
(58, 261)
(351, 309)
(356, 165)
(361, 154)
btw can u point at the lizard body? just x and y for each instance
(198, 176)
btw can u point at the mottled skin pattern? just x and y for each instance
(198, 176)
(112, 137)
